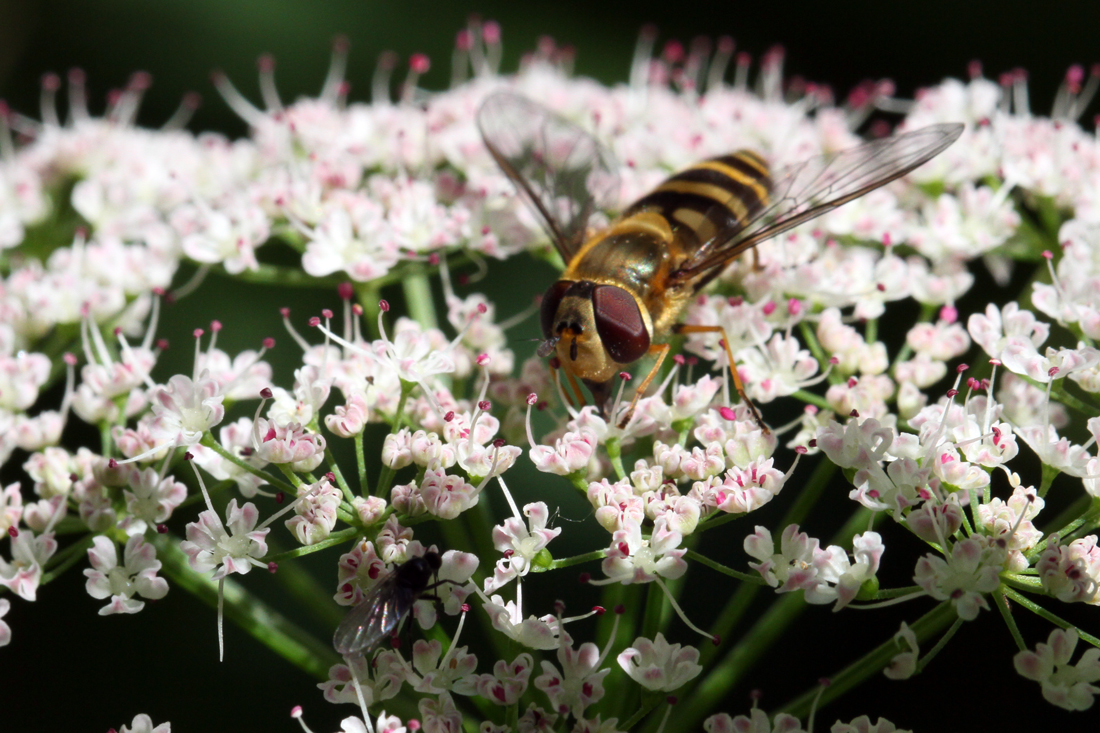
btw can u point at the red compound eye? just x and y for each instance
(619, 323)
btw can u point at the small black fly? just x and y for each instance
(380, 612)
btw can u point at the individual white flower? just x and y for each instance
(315, 512)
(137, 574)
(144, 724)
(659, 666)
(522, 543)
(5, 630)
(29, 553)
(757, 723)
(1071, 572)
(580, 681)
(508, 681)
(631, 559)
(210, 546)
(186, 409)
(904, 664)
(1066, 685)
(964, 578)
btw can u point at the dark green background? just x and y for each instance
(69, 670)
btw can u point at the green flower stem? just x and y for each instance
(754, 644)
(1001, 602)
(361, 464)
(811, 399)
(1049, 473)
(924, 661)
(264, 623)
(716, 520)
(719, 567)
(294, 478)
(106, 445)
(713, 688)
(742, 598)
(66, 558)
(334, 539)
(1026, 583)
(303, 585)
(615, 453)
(887, 594)
(655, 606)
(870, 331)
(1059, 393)
(645, 709)
(457, 534)
(385, 476)
(871, 663)
(580, 483)
(1083, 510)
(340, 480)
(209, 442)
(418, 298)
(575, 560)
(370, 297)
(814, 345)
(1056, 620)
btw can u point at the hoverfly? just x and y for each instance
(379, 613)
(624, 287)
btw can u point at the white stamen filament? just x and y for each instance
(679, 611)
(237, 101)
(193, 284)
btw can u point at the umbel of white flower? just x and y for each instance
(388, 193)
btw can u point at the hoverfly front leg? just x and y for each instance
(738, 385)
(661, 350)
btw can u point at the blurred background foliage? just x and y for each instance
(163, 661)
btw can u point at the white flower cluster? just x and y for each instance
(378, 193)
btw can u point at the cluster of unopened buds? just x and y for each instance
(385, 194)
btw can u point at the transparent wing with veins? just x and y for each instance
(801, 192)
(562, 171)
(374, 618)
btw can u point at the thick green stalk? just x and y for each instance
(939, 618)
(418, 298)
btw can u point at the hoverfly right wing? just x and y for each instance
(804, 191)
(563, 172)
(373, 619)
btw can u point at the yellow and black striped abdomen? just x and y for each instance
(714, 198)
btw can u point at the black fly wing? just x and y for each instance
(563, 172)
(375, 618)
(804, 191)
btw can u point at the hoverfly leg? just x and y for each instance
(756, 266)
(661, 350)
(738, 385)
(581, 401)
(564, 396)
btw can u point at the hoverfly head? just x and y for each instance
(595, 329)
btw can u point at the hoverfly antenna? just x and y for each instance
(546, 348)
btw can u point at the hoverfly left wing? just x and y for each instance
(563, 172)
(801, 192)
(375, 618)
